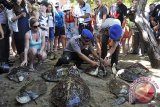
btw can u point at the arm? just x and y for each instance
(85, 58)
(1, 32)
(85, 16)
(14, 18)
(104, 14)
(43, 42)
(26, 49)
(112, 49)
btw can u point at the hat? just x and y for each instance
(87, 34)
(56, 4)
(115, 32)
(45, 3)
(66, 7)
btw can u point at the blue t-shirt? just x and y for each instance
(59, 19)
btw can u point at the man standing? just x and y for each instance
(101, 15)
(118, 11)
(82, 12)
(112, 29)
(4, 36)
(155, 18)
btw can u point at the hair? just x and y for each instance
(51, 7)
(17, 8)
(32, 21)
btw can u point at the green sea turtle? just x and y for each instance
(132, 72)
(70, 92)
(60, 72)
(18, 74)
(31, 91)
(120, 89)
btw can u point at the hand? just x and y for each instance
(106, 61)
(23, 14)
(99, 52)
(1, 36)
(94, 64)
(155, 28)
(24, 63)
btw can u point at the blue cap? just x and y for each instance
(87, 34)
(115, 32)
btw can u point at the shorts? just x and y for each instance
(51, 33)
(59, 31)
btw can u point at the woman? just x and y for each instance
(19, 16)
(70, 23)
(51, 26)
(34, 44)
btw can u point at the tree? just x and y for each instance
(137, 15)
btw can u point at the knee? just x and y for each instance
(44, 56)
(32, 51)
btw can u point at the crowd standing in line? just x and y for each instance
(39, 28)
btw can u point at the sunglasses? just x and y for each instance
(36, 26)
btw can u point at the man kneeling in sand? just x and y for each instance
(78, 50)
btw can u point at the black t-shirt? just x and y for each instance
(156, 13)
(118, 11)
(102, 11)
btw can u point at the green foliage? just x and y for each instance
(110, 2)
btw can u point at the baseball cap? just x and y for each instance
(115, 32)
(45, 3)
(87, 34)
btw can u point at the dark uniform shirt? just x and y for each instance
(156, 13)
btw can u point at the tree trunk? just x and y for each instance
(138, 7)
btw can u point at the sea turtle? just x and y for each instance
(70, 92)
(18, 74)
(60, 72)
(31, 91)
(120, 89)
(132, 72)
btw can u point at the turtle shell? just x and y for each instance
(129, 76)
(119, 88)
(59, 73)
(70, 92)
(18, 72)
(31, 91)
(138, 68)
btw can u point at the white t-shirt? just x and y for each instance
(82, 11)
(50, 20)
(109, 22)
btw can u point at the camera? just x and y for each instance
(8, 5)
(4, 68)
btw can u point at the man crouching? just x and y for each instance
(78, 50)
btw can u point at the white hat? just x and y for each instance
(56, 4)
(66, 7)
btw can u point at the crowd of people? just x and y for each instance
(39, 28)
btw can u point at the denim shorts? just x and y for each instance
(51, 33)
